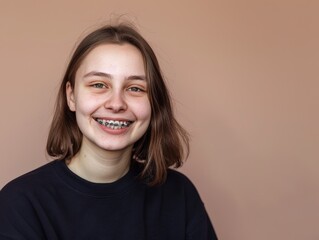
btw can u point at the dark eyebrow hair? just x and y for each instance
(98, 74)
(137, 77)
(107, 75)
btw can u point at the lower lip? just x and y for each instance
(118, 131)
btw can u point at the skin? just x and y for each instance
(110, 84)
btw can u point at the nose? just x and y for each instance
(115, 102)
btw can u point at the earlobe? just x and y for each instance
(70, 96)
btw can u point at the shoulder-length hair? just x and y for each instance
(165, 143)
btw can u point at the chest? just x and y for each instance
(137, 214)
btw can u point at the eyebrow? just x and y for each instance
(107, 75)
(98, 74)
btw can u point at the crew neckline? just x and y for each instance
(83, 186)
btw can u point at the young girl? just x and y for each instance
(114, 137)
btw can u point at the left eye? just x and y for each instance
(135, 89)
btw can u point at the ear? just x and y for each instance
(70, 96)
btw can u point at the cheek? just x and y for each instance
(145, 111)
(142, 111)
(86, 104)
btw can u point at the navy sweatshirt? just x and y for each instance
(53, 203)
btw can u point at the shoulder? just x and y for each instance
(177, 181)
(20, 194)
(183, 199)
(180, 208)
(28, 181)
(174, 176)
(19, 201)
(179, 190)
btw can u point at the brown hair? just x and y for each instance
(164, 144)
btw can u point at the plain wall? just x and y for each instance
(244, 77)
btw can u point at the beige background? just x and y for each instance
(244, 76)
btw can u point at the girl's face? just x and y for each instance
(110, 97)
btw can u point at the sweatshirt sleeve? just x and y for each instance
(17, 218)
(201, 229)
(199, 225)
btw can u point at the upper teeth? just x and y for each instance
(113, 123)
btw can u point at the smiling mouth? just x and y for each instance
(114, 124)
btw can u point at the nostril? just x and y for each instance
(116, 104)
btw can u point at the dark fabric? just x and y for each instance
(51, 202)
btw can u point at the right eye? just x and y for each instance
(98, 85)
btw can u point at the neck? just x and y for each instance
(100, 166)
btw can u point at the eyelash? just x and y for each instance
(98, 85)
(135, 89)
(131, 89)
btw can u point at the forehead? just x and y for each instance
(115, 59)
(114, 52)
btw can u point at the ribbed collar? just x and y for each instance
(82, 186)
